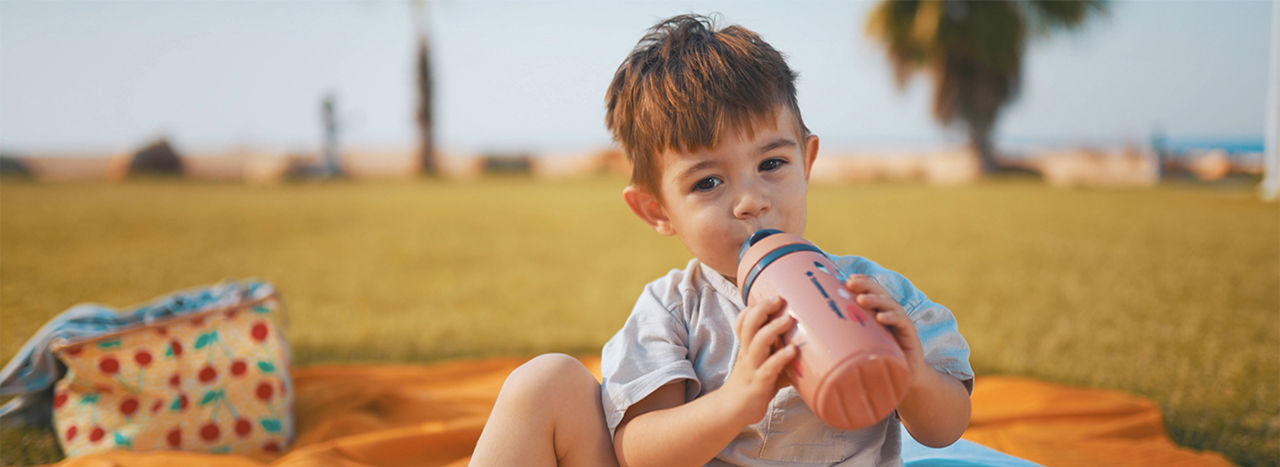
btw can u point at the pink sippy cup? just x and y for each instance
(850, 370)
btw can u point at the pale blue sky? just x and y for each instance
(108, 76)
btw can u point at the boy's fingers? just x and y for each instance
(891, 318)
(873, 301)
(741, 329)
(895, 317)
(737, 322)
(903, 330)
(740, 321)
(763, 343)
(753, 317)
(862, 283)
(779, 360)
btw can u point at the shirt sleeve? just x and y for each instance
(944, 348)
(649, 351)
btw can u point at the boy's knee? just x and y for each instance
(551, 374)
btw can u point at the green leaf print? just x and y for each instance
(109, 344)
(201, 341)
(261, 309)
(271, 425)
(209, 397)
(121, 440)
(89, 399)
(266, 366)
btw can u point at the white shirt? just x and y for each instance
(682, 329)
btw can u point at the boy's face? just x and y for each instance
(713, 199)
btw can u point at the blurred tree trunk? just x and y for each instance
(1271, 153)
(329, 115)
(427, 154)
(980, 146)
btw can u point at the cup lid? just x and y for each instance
(755, 237)
(761, 249)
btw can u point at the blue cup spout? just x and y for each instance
(755, 237)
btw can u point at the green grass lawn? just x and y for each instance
(1171, 293)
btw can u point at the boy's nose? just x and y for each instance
(750, 203)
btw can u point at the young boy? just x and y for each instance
(710, 122)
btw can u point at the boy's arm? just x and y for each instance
(663, 430)
(936, 407)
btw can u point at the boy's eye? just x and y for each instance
(771, 164)
(706, 184)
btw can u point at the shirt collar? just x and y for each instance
(722, 286)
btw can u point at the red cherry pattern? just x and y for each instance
(129, 406)
(259, 331)
(109, 365)
(208, 374)
(210, 432)
(174, 437)
(143, 358)
(264, 391)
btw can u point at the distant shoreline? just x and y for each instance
(1230, 146)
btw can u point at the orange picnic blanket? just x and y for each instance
(390, 415)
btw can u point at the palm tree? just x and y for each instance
(972, 51)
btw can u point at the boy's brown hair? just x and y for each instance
(686, 82)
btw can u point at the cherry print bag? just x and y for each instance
(214, 380)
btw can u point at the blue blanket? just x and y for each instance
(963, 453)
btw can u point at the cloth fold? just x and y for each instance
(392, 415)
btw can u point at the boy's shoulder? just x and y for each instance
(675, 282)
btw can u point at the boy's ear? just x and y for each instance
(810, 153)
(648, 208)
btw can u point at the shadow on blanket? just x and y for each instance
(433, 414)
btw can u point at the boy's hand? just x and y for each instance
(871, 296)
(936, 409)
(756, 375)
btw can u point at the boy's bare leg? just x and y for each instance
(548, 413)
